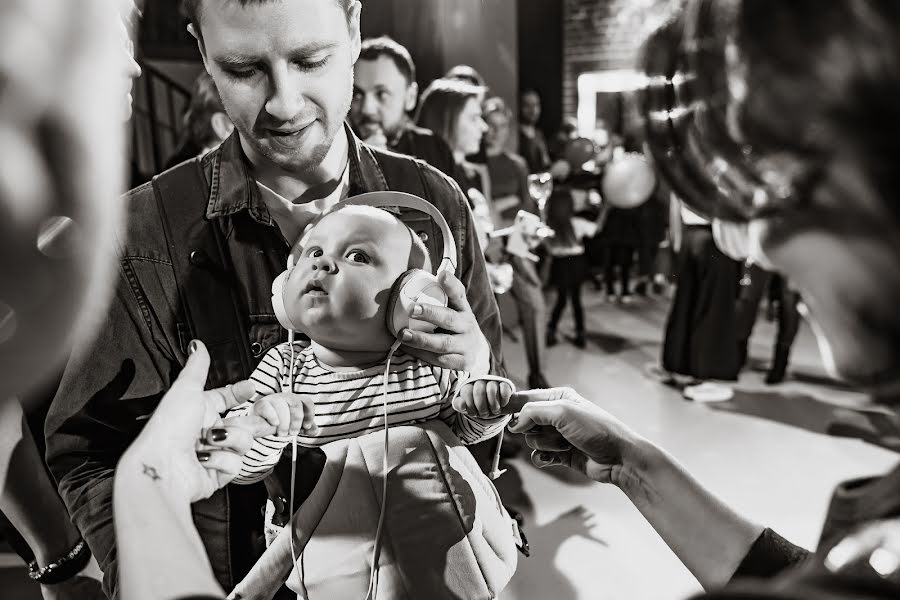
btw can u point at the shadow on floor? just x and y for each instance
(807, 412)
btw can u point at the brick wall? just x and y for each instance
(601, 35)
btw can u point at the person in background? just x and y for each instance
(451, 108)
(568, 267)
(509, 184)
(699, 350)
(532, 145)
(385, 93)
(468, 74)
(206, 124)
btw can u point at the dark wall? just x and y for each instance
(540, 26)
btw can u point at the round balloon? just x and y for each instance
(578, 152)
(628, 181)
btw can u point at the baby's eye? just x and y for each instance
(358, 256)
(314, 252)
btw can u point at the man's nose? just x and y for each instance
(324, 263)
(370, 105)
(286, 99)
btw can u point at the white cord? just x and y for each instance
(376, 549)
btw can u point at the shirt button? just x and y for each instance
(256, 348)
(423, 236)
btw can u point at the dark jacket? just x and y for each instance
(424, 144)
(112, 386)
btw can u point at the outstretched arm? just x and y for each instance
(708, 536)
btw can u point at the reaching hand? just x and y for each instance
(287, 413)
(186, 434)
(565, 429)
(458, 343)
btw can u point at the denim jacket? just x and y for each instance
(111, 387)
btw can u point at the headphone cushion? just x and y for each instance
(416, 285)
(278, 306)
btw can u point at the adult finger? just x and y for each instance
(437, 343)
(236, 438)
(548, 440)
(235, 394)
(193, 377)
(537, 413)
(456, 291)
(442, 316)
(226, 463)
(255, 425)
(520, 399)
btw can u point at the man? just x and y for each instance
(532, 145)
(384, 93)
(207, 238)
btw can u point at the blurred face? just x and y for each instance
(530, 109)
(337, 293)
(285, 73)
(842, 251)
(381, 97)
(470, 127)
(497, 132)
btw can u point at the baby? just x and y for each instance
(337, 294)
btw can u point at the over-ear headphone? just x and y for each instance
(413, 286)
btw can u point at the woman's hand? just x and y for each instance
(185, 442)
(565, 429)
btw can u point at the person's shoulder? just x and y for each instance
(517, 160)
(440, 189)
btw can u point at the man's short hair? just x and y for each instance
(193, 9)
(374, 48)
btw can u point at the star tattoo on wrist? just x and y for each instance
(151, 473)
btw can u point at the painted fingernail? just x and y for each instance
(513, 421)
(192, 347)
(218, 435)
(417, 311)
(406, 335)
(203, 456)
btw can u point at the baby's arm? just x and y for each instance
(471, 427)
(265, 451)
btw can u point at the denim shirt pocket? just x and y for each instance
(265, 333)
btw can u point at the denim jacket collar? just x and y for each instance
(233, 189)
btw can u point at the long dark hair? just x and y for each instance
(560, 210)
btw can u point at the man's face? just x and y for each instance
(285, 73)
(530, 109)
(337, 293)
(497, 130)
(381, 97)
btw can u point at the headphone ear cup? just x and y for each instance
(416, 285)
(278, 301)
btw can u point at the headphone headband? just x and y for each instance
(402, 200)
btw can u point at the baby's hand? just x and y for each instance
(483, 399)
(287, 413)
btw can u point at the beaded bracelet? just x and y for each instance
(62, 569)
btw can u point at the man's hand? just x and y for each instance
(458, 343)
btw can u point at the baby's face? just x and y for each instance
(337, 293)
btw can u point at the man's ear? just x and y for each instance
(355, 35)
(221, 125)
(412, 97)
(196, 35)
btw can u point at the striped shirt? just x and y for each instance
(350, 404)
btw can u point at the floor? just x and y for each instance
(767, 452)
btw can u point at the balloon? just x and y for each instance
(628, 181)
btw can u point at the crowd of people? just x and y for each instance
(277, 284)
